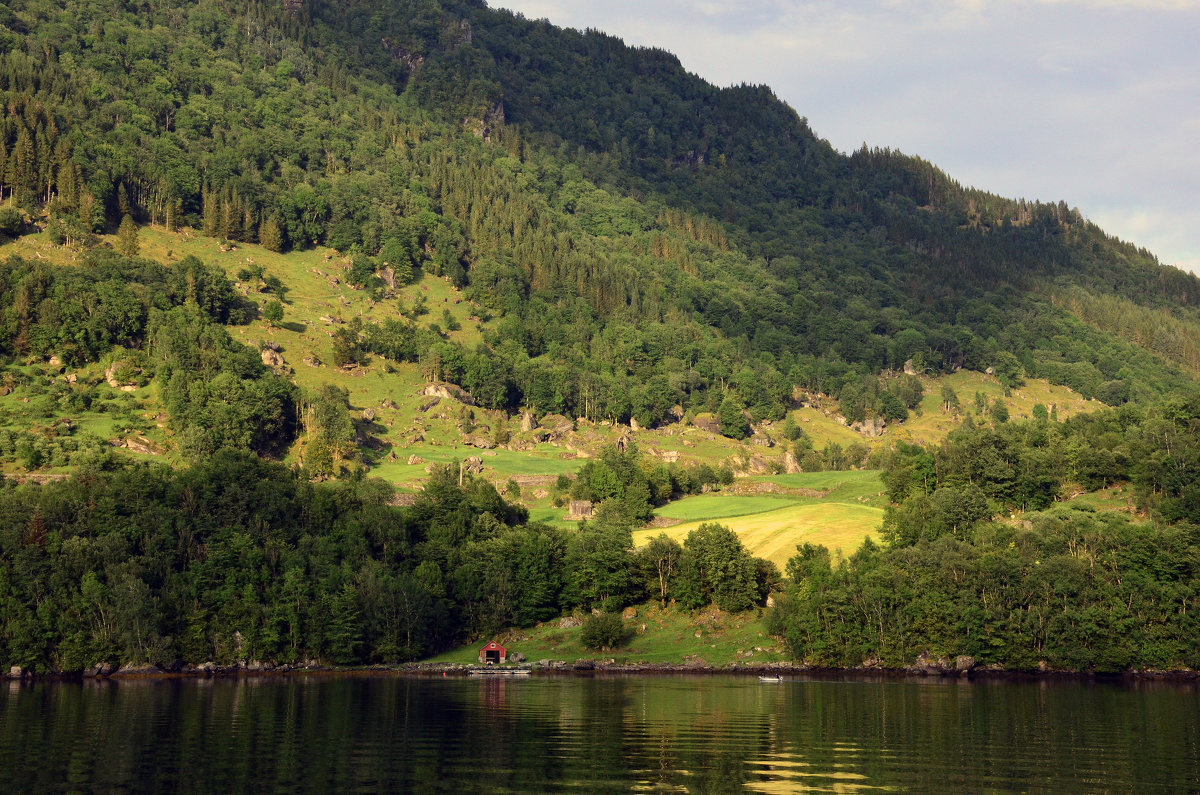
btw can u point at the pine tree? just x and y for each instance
(211, 214)
(269, 234)
(127, 237)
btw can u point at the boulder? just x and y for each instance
(964, 663)
(790, 464)
(448, 391)
(473, 465)
(528, 423)
(138, 669)
(369, 415)
(557, 424)
(415, 459)
(271, 358)
(567, 622)
(482, 442)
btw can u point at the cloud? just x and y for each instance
(1094, 102)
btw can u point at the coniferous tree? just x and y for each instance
(270, 235)
(127, 237)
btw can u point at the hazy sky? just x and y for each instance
(1093, 102)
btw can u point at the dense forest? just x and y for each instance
(637, 244)
(1067, 586)
(646, 239)
(240, 559)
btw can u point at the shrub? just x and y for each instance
(603, 630)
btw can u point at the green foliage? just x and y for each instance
(732, 420)
(270, 235)
(611, 307)
(1077, 591)
(127, 237)
(714, 568)
(603, 631)
(10, 221)
(272, 312)
(217, 391)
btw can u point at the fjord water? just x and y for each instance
(555, 734)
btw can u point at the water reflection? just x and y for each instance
(695, 734)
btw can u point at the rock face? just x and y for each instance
(482, 442)
(871, 428)
(449, 391)
(528, 423)
(473, 465)
(790, 464)
(556, 426)
(271, 358)
(579, 509)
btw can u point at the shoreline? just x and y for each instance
(593, 668)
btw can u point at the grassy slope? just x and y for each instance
(392, 392)
(657, 635)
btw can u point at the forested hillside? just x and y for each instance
(541, 225)
(642, 235)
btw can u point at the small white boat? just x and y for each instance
(770, 678)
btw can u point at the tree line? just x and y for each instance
(236, 559)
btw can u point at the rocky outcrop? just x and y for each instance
(556, 425)
(448, 392)
(125, 384)
(871, 428)
(271, 358)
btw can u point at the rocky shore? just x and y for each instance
(962, 667)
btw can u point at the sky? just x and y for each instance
(1091, 102)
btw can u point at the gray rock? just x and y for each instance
(964, 663)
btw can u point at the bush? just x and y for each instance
(603, 630)
(10, 221)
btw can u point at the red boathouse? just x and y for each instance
(492, 654)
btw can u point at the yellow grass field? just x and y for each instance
(775, 534)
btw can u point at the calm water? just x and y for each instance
(551, 734)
